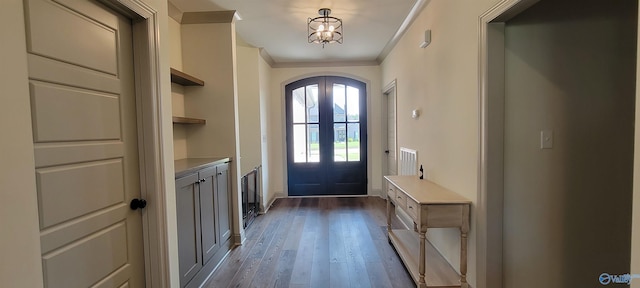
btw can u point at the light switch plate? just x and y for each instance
(546, 139)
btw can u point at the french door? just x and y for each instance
(326, 136)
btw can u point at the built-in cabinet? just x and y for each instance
(203, 203)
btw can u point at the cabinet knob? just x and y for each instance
(219, 173)
(137, 204)
(203, 180)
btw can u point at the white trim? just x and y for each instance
(384, 141)
(149, 118)
(174, 12)
(489, 209)
(266, 208)
(266, 57)
(323, 64)
(387, 88)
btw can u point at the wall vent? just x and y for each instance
(408, 164)
(408, 161)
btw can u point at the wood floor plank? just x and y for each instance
(358, 276)
(301, 274)
(268, 266)
(320, 264)
(339, 274)
(285, 269)
(316, 242)
(251, 264)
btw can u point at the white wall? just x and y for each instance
(249, 106)
(442, 81)
(20, 264)
(276, 118)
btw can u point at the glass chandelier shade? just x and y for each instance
(324, 29)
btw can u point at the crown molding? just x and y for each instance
(266, 57)
(208, 17)
(174, 12)
(324, 64)
(413, 14)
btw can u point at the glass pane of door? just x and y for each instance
(313, 138)
(298, 104)
(299, 143)
(306, 130)
(339, 142)
(339, 103)
(346, 126)
(353, 140)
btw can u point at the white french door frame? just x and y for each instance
(144, 20)
(489, 209)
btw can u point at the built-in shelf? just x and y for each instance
(188, 120)
(185, 79)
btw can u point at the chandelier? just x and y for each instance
(324, 29)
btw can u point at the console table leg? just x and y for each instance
(388, 216)
(464, 229)
(422, 261)
(463, 261)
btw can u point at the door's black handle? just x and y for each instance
(137, 204)
(386, 151)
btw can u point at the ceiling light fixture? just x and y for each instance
(324, 29)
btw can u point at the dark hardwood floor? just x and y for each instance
(316, 242)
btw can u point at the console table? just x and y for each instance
(430, 206)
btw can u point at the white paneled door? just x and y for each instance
(84, 129)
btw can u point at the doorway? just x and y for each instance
(326, 136)
(555, 129)
(389, 135)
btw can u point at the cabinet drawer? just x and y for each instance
(400, 199)
(412, 209)
(391, 191)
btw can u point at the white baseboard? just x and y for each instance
(266, 208)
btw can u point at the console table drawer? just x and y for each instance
(400, 199)
(412, 209)
(441, 216)
(391, 191)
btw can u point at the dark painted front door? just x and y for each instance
(326, 136)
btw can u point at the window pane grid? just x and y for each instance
(346, 123)
(306, 128)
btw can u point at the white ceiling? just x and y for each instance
(280, 26)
